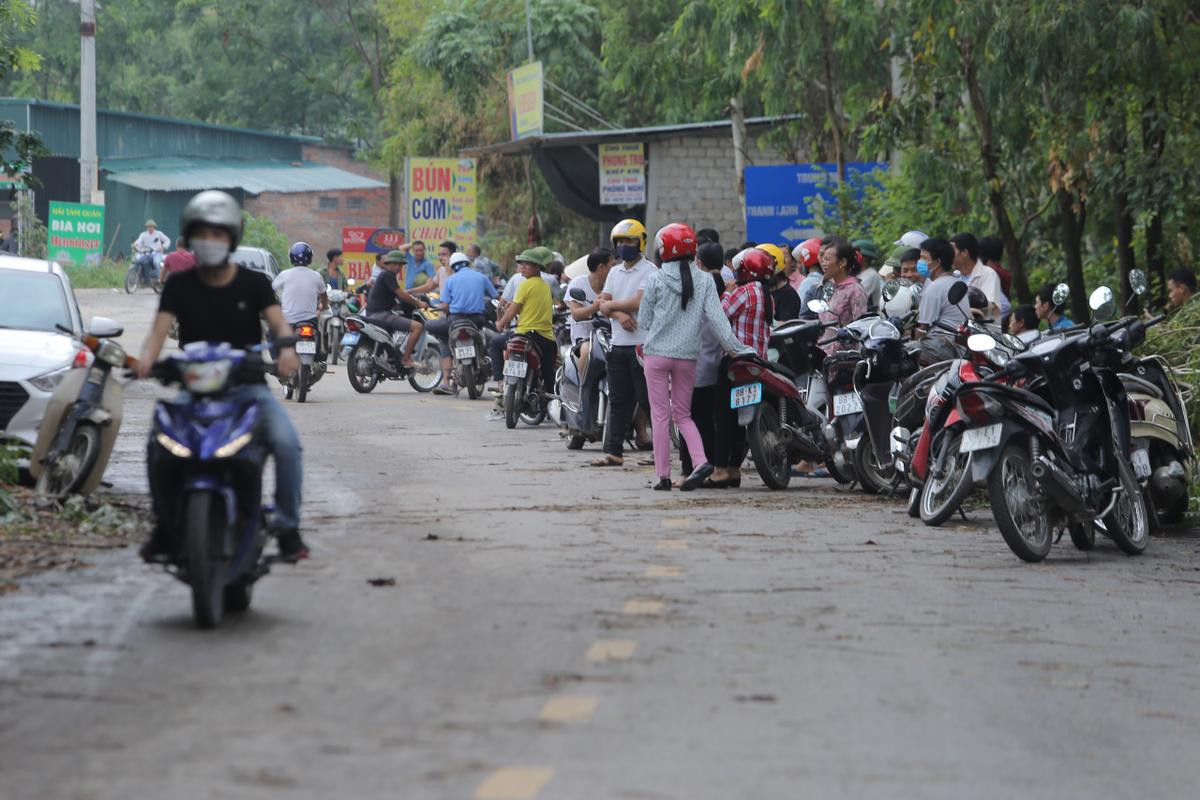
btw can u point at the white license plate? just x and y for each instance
(465, 352)
(1141, 463)
(980, 438)
(515, 369)
(349, 339)
(748, 395)
(846, 404)
(306, 348)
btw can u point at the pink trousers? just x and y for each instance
(669, 383)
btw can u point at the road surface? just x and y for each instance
(555, 631)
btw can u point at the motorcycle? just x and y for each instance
(312, 368)
(522, 396)
(77, 433)
(372, 354)
(144, 272)
(878, 377)
(204, 447)
(584, 396)
(1060, 457)
(332, 324)
(471, 363)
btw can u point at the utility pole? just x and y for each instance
(87, 100)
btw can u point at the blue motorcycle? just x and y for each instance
(208, 457)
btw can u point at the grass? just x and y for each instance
(109, 275)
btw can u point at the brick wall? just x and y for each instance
(342, 158)
(694, 181)
(300, 216)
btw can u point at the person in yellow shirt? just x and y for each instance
(533, 306)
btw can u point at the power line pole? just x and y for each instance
(529, 31)
(87, 101)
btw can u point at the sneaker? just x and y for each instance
(443, 389)
(495, 414)
(291, 546)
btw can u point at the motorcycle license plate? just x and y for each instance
(515, 369)
(748, 395)
(844, 404)
(1141, 463)
(306, 348)
(464, 352)
(350, 338)
(980, 438)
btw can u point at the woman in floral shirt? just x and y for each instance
(849, 301)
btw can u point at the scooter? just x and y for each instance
(82, 419)
(372, 354)
(471, 363)
(312, 363)
(584, 397)
(522, 368)
(332, 323)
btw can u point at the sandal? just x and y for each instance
(663, 485)
(609, 461)
(645, 462)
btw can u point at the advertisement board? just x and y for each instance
(525, 101)
(441, 199)
(781, 201)
(622, 174)
(359, 239)
(75, 233)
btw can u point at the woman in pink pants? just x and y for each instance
(678, 301)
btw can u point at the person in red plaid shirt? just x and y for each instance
(749, 305)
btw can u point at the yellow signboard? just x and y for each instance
(525, 97)
(441, 199)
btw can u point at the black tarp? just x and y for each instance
(573, 174)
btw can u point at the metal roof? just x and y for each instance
(569, 138)
(174, 174)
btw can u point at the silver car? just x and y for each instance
(40, 330)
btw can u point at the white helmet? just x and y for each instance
(458, 261)
(901, 302)
(911, 239)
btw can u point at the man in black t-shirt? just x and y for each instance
(219, 301)
(384, 296)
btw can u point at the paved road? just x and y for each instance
(561, 632)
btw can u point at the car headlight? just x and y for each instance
(173, 447)
(49, 381)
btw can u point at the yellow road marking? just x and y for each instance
(568, 709)
(649, 608)
(677, 522)
(663, 571)
(611, 650)
(514, 783)
(672, 544)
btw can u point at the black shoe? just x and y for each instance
(696, 478)
(156, 551)
(663, 485)
(291, 546)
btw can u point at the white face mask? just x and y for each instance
(210, 253)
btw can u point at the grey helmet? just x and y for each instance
(215, 208)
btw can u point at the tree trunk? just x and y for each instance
(991, 170)
(1122, 214)
(1156, 260)
(1072, 234)
(835, 122)
(738, 128)
(1154, 141)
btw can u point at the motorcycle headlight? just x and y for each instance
(998, 357)
(111, 353)
(49, 381)
(337, 296)
(227, 450)
(206, 377)
(173, 447)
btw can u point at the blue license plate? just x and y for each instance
(350, 338)
(748, 395)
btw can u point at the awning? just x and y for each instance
(174, 174)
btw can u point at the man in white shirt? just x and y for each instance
(301, 290)
(591, 283)
(154, 242)
(620, 300)
(979, 275)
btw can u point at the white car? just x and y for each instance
(35, 299)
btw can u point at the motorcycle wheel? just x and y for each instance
(237, 596)
(873, 477)
(1128, 524)
(514, 398)
(428, 374)
(68, 472)
(769, 451)
(940, 498)
(360, 370)
(303, 380)
(1021, 519)
(132, 279)
(1083, 536)
(576, 441)
(535, 418)
(156, 285)
(204, 520)
(468, 380)
(914, 502)
(333, 348)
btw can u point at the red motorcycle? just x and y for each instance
(523, 396)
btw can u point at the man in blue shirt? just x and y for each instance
(419, 269)
(465, 296)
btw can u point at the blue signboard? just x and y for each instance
(781, 200)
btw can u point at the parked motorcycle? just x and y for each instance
(312, 363)
(373, 354)
(886, 362)
(584, 396)
(333, 323)
(523, 398)
(471, 363)
(79, 428)
(205, 450)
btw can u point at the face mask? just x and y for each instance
(209, 253)
(628, 252)
(922, 269)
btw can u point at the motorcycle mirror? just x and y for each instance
(1014, 343)
(980, 343)
(104, 328)
(890, 288)
(578, 294)
(1137, 282)
(1102, 304)
(818, 306)
(957, 292)
(1062, 293)
(351, 282)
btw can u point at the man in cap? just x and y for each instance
(868, 276)
(382, 301)
(534, 304)
(154, 242)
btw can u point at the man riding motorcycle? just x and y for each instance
(301, 290)
(219, 301)
(464, 296)
(534, 303)
(154, 243)
(385, 295)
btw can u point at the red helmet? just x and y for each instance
(756, 265)
(806, 252)
(675, 241)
